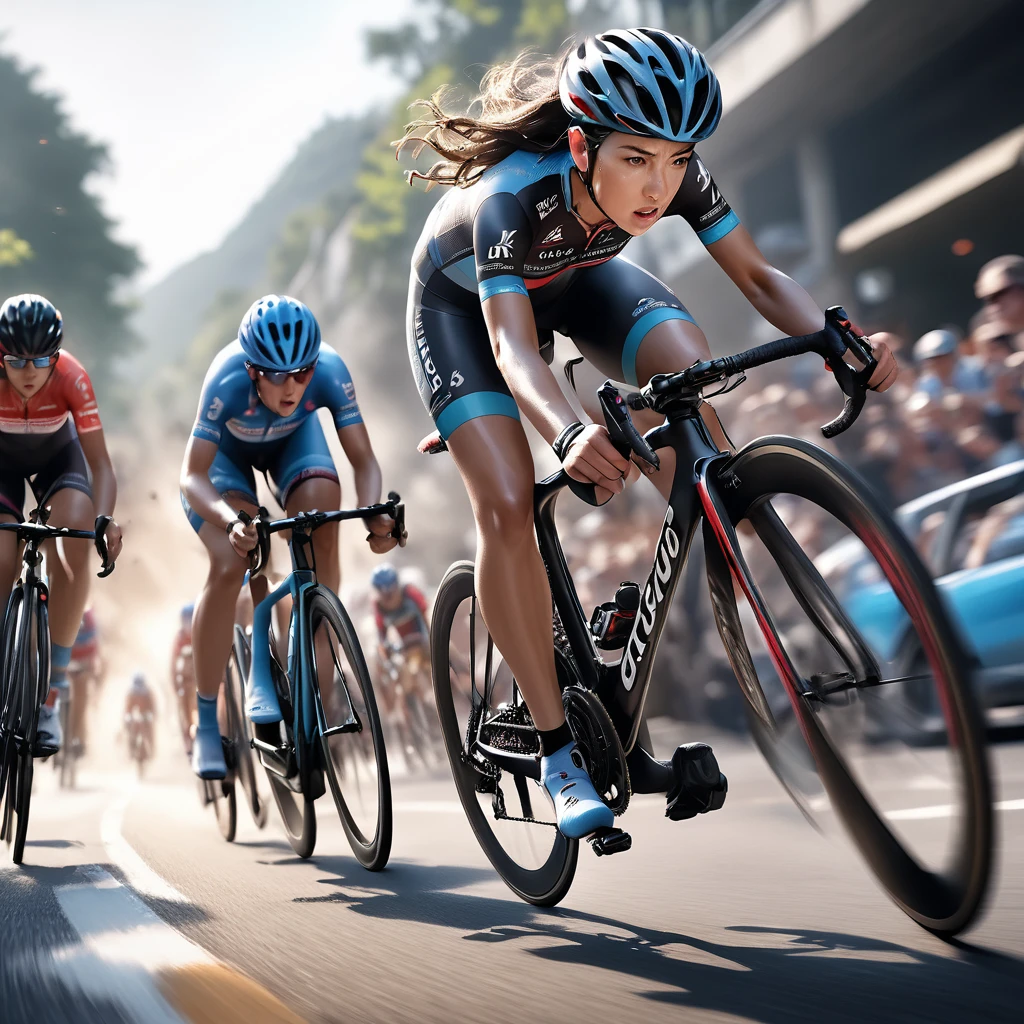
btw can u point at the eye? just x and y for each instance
(682, 161)
(636, 161)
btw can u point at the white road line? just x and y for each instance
(139, 874)
(945, 811)
(123, 944)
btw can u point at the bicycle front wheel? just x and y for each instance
(239, 728)
(351, 737)
(473, 685)
(858, 681)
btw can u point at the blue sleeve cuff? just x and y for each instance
(206, 433)
(503, 283)
(719, 230)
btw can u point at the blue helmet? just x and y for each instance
(279, 333)
(644, 82)
(187, 611)
(384, 577)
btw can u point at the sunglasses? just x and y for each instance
(278, 377)
(20, 362)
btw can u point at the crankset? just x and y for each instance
(600, 745)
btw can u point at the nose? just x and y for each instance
(655, 185)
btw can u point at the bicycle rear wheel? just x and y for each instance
(225, 806)
(351, 738)
(472, 684)
(838, 675)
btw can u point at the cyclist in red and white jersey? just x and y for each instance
(51, 437)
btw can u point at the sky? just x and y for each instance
(200, 102)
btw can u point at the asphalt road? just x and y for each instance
(131, 907)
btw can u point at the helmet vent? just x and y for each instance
(670, 96)
(275, 334)
(699, 105)
(666, 47)
(626, 45)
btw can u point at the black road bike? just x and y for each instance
(827, 706)
(25, 671)
(330, 725)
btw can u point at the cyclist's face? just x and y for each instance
(389, 597)
(28, 380)
(282, 399)
(635, 179)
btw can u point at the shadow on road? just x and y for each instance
(772, 974)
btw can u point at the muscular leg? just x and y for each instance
(324, 494)
(8, 557)
(494, 458)
(214, 615)
(69, 575)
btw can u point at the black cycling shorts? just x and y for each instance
(65, 467)
(606, 310)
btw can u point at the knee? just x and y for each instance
(226, 574)
(506, 512)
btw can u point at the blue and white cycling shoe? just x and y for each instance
(261, 704)
(208, 754)
(579, 811)
(49, 735)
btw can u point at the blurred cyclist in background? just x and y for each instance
(139, 712)
(183, 678)
(84, 671)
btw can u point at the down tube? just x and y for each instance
(629, 690)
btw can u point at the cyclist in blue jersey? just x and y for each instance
(566, 161)
(258, 412)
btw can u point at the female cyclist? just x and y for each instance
(51, 436)
(258, 411)
(566, 162)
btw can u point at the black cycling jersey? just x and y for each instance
(514, 230)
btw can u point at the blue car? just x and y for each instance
(971, 536)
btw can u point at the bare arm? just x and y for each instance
(777, 297)
(513, 333)
(196, 486)
(104, 483)
(355, 442)
(781, 301)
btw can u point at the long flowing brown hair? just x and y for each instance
(518, 108)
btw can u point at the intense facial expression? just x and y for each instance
(282, 399)
(29, 380)
(636, 178)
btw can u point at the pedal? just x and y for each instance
(698, 783)
(606, 841)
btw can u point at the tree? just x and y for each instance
(54, 237)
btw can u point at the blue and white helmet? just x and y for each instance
(644, 82)
(384, 576)
(279, 333)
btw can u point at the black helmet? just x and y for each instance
(30, 326)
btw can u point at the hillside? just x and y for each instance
(171, 311)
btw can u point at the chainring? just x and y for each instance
(600, 745)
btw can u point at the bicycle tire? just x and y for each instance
(298, 816)
(239, 730)
(34, 664)
(8, 702)
(543, 886)
(371, 850)
(67, 757)
(944, 902)
(225, 807)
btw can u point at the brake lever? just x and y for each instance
(399, 532)
(260, 554)
(621, 429)
(853, 383)
(100, 541)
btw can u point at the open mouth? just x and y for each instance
(647, 214)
